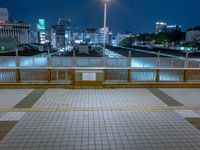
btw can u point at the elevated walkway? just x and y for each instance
(112, 119)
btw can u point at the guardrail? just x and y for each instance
(11, 61)
(122, 70)
(110, 74)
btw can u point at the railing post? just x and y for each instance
(172, 62)
(158, 60)
(185, 76)
(49, 75)
(129, 65)
(74, 58)
(186, 61)
(17, 65)
(129, 75)
(49, 65)
(49, 58)
(17, 75)
(157, 75)
(74, 64)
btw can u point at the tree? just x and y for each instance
(127, 42)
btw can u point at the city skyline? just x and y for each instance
(136, 16)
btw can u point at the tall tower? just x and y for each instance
(41, 31)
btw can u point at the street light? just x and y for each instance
(105, 19)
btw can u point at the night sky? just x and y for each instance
(134, 15)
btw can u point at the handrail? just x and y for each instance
(95, 68)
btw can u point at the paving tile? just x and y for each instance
(12, 116)
(195, 122)
(5, 127)
(138, 129)
(188, 113)
(30, 99)
(188, 97)
(97, 98)
(170, 101)
(101, 129)
(10, 97)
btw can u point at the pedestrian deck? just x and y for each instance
(89, 119)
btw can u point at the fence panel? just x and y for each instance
(34, 75)
(7, 75)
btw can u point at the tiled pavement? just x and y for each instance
(98, 98)
(189, 97)
(131, 128)
(9, 98)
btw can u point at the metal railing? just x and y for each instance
(123, 69)
(146, 62)
(110, 74)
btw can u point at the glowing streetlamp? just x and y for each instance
(105, 19)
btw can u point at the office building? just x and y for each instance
(172, 28)
(161, 27)
(41, 31)
(108, 35)
(60, 34)
(18, 31)
(91, 36)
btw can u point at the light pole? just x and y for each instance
(105, 19)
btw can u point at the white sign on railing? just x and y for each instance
(89, 76)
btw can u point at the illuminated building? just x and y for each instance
(41, 31)
(172, 28)
(20, 32)
(161, 27)
(91, 36)
(61, 34)
(108, 35)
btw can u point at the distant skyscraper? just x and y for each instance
(108, 35)
(41, 31)
(161, 27)
(61, 34)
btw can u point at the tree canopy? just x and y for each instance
(161, 38)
